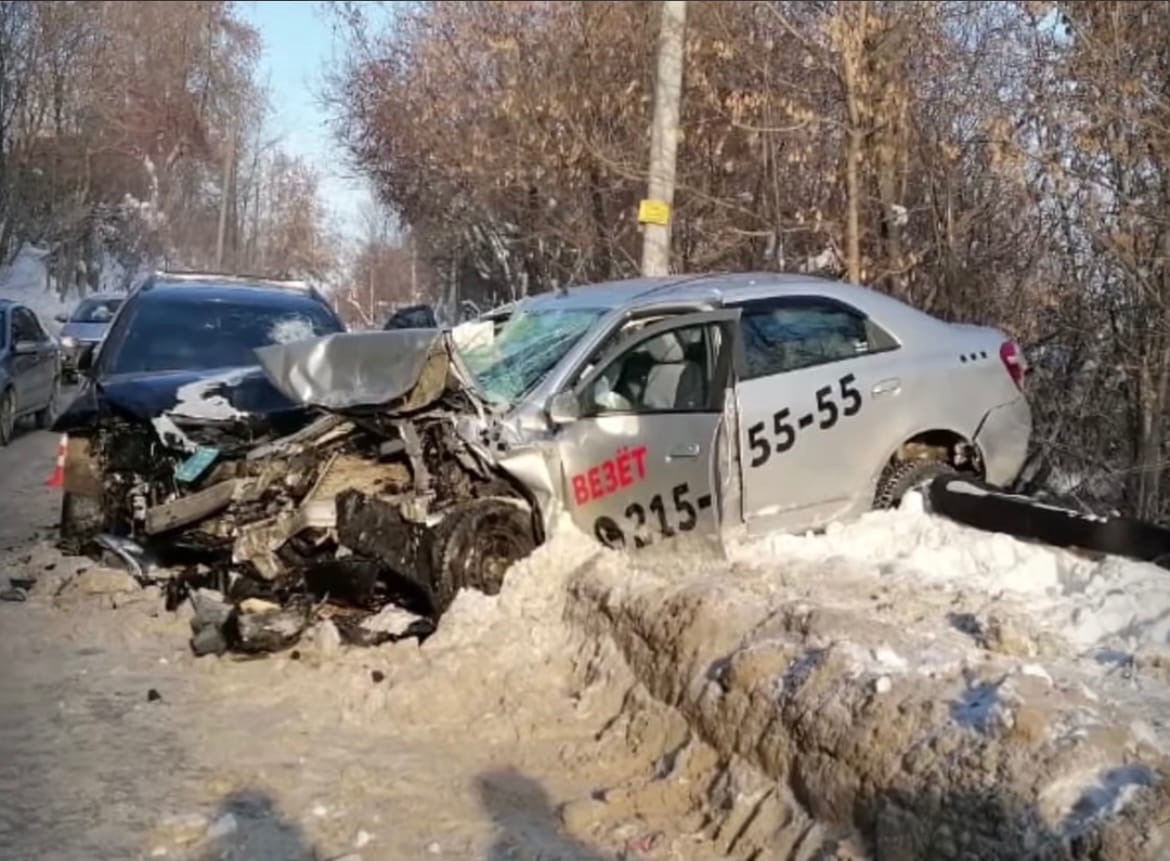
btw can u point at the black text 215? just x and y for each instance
(780, 434)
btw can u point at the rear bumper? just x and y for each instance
(1002, 440)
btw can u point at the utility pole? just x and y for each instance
(654, 213)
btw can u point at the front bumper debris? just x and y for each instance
(343, 519)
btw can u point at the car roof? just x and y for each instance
(717, 289)
(227, 288)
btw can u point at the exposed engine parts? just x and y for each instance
(372, 518)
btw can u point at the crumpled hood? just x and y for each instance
(220, 395)
(405, 369)
(212, 396)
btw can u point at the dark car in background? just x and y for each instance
(83, 329)
(177, 371)
(30, 369)
(412, 317)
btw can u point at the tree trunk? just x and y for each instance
(851, 67)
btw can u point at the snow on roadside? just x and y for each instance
(1099, 607)
(26, 281)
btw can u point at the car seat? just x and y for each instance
(674, 382)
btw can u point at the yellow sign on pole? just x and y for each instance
(654, 212)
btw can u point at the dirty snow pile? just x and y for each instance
(944, 692)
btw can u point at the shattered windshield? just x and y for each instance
(526, 348)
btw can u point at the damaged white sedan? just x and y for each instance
(652, 411)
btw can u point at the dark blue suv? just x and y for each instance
(176, 376)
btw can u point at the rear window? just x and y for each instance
(201, 335)
(790, 334)
(414, 317)
(96, 311)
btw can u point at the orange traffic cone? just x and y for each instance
(58, 477)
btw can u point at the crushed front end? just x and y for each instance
(388, 497)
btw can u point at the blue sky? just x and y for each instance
(298, 45)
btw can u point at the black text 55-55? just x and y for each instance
(780, 434)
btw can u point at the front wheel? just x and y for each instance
(7, 417)
(476, 546)
(901, 477)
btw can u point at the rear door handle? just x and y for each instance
(888, 387)
(683, 452)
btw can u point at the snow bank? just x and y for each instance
(1100, 606)
(893, 706)
(26, 281)
(918, 688)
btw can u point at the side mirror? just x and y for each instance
(85, 359)
(564, 408)
(61, 317)
(24, 348)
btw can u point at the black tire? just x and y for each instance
(81, 519)
(989, 508)
(901, 477)
(7, 416)
(476, 545)
(48, 415)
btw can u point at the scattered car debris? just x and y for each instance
(153, 696)
(14, 595)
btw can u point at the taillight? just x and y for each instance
(1013, 360)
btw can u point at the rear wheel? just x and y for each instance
(46, 416)
(476, 546)
(7, 416)
(901, 477)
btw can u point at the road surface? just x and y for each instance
(115, 743)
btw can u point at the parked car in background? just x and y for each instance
(412, 317)
(30, 370)
(83, 329)
(177, 369)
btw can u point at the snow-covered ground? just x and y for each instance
(899, 687)
(1103, 608)
(26, 281)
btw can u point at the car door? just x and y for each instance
(818, 382)
(28, 361)
(639, 459)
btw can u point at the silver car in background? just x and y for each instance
(84, 328)
(686, 405)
